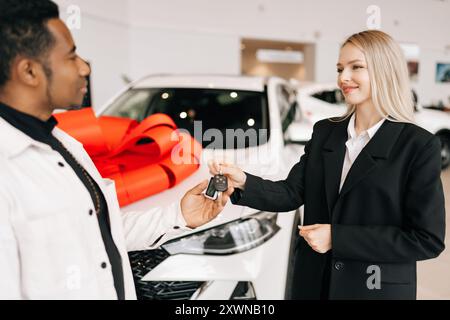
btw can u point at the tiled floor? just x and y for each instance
(433, 276)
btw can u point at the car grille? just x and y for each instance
(143, 262)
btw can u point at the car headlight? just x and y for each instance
(229, 238)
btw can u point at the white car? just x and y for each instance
(243, 253)
(319, 101)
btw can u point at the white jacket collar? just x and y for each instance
(13, 141)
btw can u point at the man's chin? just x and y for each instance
(71, 107)
(75, 107)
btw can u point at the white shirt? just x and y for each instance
(355, 144)
(50, 247)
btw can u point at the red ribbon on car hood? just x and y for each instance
(142, 158)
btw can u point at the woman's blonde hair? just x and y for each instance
(388, 73)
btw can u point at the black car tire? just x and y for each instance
(445, 150)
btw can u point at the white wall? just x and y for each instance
(428, 90)
(104, 41)
(155, 50)
(138, 37)
(325, 22)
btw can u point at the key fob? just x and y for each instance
(220, 183)
(211, 192)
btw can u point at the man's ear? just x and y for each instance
(28, 72)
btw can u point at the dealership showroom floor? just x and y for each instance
(432, 275)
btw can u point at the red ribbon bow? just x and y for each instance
(142, 158)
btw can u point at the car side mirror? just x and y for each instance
(298, 133)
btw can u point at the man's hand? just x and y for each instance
(318, 236)
(198, 210)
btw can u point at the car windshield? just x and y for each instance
(225, 111)
(330, 96)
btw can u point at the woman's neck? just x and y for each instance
(366, 116)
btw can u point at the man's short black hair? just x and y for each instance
(23, 31)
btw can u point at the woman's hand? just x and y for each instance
(235, 175)
(318, 236)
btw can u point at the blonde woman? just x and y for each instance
(369, 182)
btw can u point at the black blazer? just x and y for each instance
(390, 212)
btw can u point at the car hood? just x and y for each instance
(433, 120)
(265, 164)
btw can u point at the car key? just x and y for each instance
(220, 182)
(211, 192)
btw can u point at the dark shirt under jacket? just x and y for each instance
(42, 131)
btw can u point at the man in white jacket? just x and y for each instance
(62, 235)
